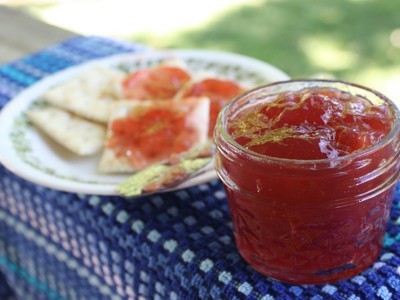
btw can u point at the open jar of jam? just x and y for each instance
(309, 168)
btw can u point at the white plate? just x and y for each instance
(29, 154)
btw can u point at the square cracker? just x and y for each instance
(89, 94)
(196, 119)
(80, 136)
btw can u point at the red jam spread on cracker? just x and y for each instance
(218, 91)
(162, 82)
(153, 132)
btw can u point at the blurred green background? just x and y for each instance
(354, 40)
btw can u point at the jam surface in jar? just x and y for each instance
(315, 123)
(309, 176)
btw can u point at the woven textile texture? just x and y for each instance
(177, 245)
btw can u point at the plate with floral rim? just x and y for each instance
(28, 153)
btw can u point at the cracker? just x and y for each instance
(80, 136)
(89, 94)
(197, 120)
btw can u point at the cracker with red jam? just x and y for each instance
(218, 91)
(161, 82)
(142, 133)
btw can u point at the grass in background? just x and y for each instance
(354, 40)
(351, 40)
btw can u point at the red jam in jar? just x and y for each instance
(309, 168)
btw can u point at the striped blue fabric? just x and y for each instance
(177, 245)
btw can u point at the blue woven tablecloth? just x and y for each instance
(178, 245)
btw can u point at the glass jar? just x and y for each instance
(308, 221)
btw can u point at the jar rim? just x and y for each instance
(219, 129)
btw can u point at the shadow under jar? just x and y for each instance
(309, 185)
